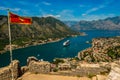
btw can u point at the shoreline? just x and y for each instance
(15, 47)
(35, 43)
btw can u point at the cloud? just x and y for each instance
(51, 10)
(23, 2)
(82, 5)
(3, 8)
(15, 9)
(68, 15)
(50, 15)
(93, 9)
(46, 3)
(11, 9)
(98, 7)
(37, 5)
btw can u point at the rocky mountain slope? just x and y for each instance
(105, 24)
(43, 28)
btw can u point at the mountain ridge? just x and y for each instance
(110, 23)
(43, 28)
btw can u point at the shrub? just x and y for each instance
(58, 61)
(91, 75)
(55, 70)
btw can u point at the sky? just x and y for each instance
(65, 10)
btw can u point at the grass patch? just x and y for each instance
(91, 75)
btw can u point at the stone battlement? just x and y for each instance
(5, 72)
(39, 67)
(36, 66)
(33, 65)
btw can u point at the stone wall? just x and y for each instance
(16, 68)
(5, 72)
(32, 58)
(89, 65)
(39, 67)
(33, 65)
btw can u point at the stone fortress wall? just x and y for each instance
(33, 65)
(36, 66)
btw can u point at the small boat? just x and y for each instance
(38, 55)
(66, 43)
(87, 42)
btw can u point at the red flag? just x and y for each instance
(15, 19)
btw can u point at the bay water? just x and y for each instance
(53, 50)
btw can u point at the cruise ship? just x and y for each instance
(66, 43)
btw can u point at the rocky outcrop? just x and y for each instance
(5, 73)
(115, 72)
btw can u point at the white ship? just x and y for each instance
(66, 43)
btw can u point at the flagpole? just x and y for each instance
(11, 58)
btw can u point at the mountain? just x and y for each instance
(70, 23)
(43, 28)
(105, 24)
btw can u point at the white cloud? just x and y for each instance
(66, 14)
(82, 5)
(46, 3)
(50, 15)
(23, 2)
(57, 16)
(93, 9)
(11, 9)
(51, 10)
(15, 9)
(84, 14)
(25, 13)
(37, 5)
(3, 8)
(98, 7)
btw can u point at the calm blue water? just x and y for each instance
(53, 50)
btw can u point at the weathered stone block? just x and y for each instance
(39, 67)
(32, 58)
(5, 72)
